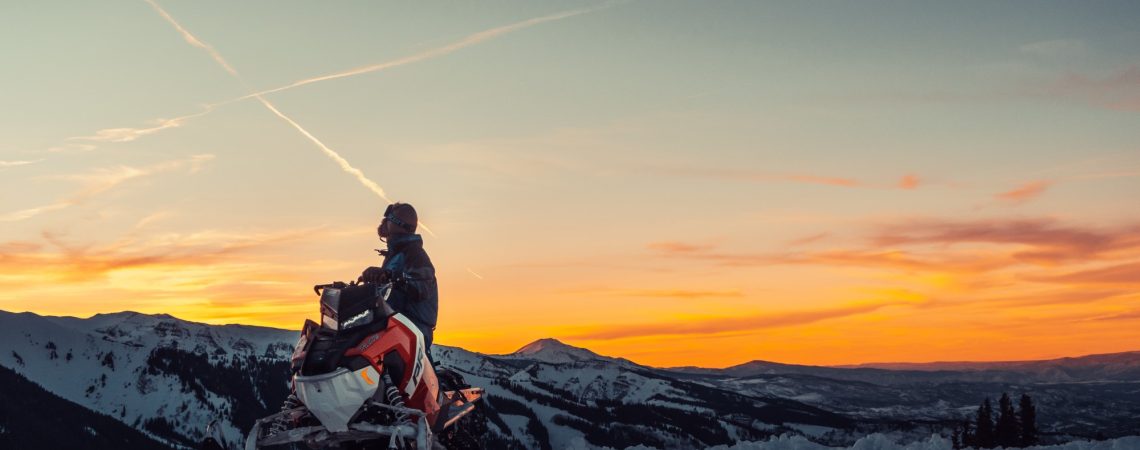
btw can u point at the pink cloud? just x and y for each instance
(1126, 274)
(907, 246)
(1046, 238)
(1025, 192)
(688, 294)
(731, 324)
(908, 182)
(674, 247)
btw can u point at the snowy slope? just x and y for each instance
(584, 400)
(105, 364)
(169, 378)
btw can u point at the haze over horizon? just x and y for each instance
(674, 183)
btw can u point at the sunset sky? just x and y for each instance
(677, 183)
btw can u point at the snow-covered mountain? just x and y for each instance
(1092, 368)
(555, 352)
(168, 378)
(1076, 397)
(165, 376)
(552, 395)
(1123, 366)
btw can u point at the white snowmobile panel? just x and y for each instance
(336, 396)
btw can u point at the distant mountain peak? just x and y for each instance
(544, 344)
(554, 351)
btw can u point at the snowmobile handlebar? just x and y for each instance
(338, 285)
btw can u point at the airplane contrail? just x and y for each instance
(343, 163)
(193, 40)
(130, 134)
(468, 41)
(103, 180)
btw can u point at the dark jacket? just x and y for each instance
(415, 293)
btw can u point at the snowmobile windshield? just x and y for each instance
(349, 307)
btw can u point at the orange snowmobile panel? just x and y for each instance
(426, 396)
(400, 338)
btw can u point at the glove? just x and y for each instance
(376, 275)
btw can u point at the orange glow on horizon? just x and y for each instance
(981, 310)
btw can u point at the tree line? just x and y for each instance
(1008, 428)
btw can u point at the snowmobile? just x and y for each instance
(362, 377)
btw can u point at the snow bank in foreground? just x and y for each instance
(934, 442)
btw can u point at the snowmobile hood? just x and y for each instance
(335, 397)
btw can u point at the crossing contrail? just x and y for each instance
(193, 40)
(468, 41)
(343, 163)
(130, 134)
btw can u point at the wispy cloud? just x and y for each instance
(72, 147)
(732, 325)
(186, 261)
(23, 214)
(130, 134)
(687, 294)
(1070, 295)
(1042, 240)
(674, 247)
(1123, 274)
(1131, 315)
(927, 245)
(101, 180)
(5, 164)
(1025, 192)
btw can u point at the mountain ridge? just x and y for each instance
(548, 345)
(167, 378)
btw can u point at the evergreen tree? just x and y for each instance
(1006, 432)
(984, 430)
(1028, 421)
(966, 438)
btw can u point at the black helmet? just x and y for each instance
(402, 215)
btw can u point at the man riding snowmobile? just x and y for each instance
(407, 266)
(363, 375)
